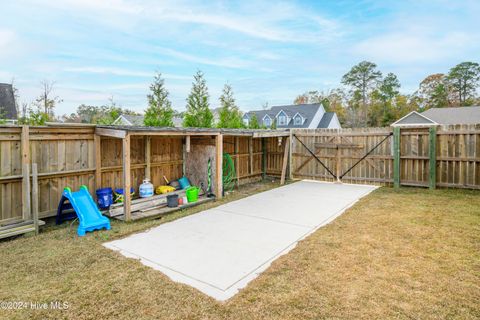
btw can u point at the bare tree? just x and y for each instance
(47, 101)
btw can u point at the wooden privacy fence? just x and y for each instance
(66, 156)
(445, 156)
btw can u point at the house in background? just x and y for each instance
(137, 120)
(439, 116)
(8, 109)
(309, 116)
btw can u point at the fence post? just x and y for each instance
(432, 150)
(290, 157)
(396, 157)
(25, 145)
(264, 158)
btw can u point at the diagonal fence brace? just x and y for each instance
(315, 156)
(366, 155)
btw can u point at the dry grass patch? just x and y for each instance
(412, 253)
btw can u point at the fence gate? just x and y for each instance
(364, 156)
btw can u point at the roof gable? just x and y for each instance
(326, 119)
(414, 119)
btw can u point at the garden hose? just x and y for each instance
(228, 174)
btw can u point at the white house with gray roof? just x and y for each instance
(310, 116)
(438, 116)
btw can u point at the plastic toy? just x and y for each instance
(87, 211)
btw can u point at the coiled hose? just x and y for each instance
(228, 173)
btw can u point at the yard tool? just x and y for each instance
(209, 179)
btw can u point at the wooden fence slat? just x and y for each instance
(433, 157)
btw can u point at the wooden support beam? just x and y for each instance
(264, 158)
(237, 162)
(35, 196)
(114, 133)
(286, 152)
(25, 145)
(271, 133)
(396, 157)
(148, 157)
(338, 145)
(98, 161)
(187, 143)
(126, 177)
(432, 152)
(219, 166)
(338, 157)
(250, 154)
(290, 158)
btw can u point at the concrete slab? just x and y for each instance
(218, 251)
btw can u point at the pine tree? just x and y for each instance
(253, 122)
(159, 112)
(198, 113)
(229, 115)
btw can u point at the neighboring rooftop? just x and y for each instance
(296, 116)
(445, 116)
(8, 109)
(459, 115)
(137, 120)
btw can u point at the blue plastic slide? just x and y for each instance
(87, 211)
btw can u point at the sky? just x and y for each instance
(269, 51)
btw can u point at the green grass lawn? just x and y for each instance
(412, 253)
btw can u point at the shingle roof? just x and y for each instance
(8, 109)
(326, 119)
(134, 120)
(137, 120)
(459, 115)
(307, 111)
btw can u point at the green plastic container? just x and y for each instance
(192, 194)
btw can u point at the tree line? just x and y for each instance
(159, 112)
(368, 98)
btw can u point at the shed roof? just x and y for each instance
(142, 130)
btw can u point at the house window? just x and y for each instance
(282, 120)
(267, 121)
(245, 121)
(297, 121)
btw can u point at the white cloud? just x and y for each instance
(6, 38)
(112, 71)
(282, 22)
(8, 42)
(229, 62)
(412, 47)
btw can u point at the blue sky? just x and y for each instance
(268, 51)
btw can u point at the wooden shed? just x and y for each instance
(128, 154)
(37, 162)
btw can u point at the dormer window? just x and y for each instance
(297, 121)
(282, 120)
(267, 121)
